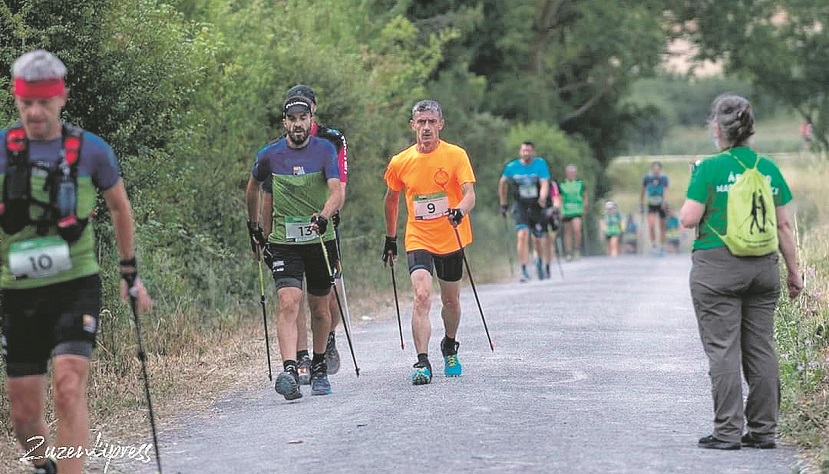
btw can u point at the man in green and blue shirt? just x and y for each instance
(305, 192)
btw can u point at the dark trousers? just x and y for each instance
(734, 299)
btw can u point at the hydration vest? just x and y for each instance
(61, 185)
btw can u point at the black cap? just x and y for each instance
(302, 90)
(296, 104)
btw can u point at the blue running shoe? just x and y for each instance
(451, 364)
(422, 373)
(319, 380)
(287, 385)
(525, 276)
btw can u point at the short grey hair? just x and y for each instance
(426, 106)
(38, 65)
(734, 116)
(570, 167)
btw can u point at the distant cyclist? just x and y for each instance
(654, 190)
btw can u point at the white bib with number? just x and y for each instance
(298, 229)
(40, 257)
(430, 206)
(528, 191)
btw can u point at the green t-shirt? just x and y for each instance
(612, 224)
(711, 181)
(572, 196)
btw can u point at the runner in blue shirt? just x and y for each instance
(529, 177)
(654, 189)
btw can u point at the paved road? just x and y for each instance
(603, 372)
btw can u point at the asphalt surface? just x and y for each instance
(600, 373)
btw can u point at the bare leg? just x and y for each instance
(450, 298)
(421, 326)
(71, 373)
(26, 397)
(320, 321)
(523, 245)
(576, 233)
(568, 238)
(336, 316)
(286, 321)
(652, 228)
(302, 326)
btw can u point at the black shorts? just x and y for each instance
(530, 216)
(569, 218)
(658, 209)
(552, 219)
(448, 267)
(293, 262)
(52, 320)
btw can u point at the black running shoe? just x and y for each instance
(287, 385)
(319, 379)
(332, 355)
(710, 442)
(750, 440)
(422, 373)
(304, 370)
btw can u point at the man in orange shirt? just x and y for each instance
(439, 184)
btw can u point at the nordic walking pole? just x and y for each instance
(474, 290)
(347, 314)
(142, 356)
(509, 250)
(397, 304)
(264, 313)
(339, 304)
(560, 252)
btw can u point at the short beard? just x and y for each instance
(294, 141)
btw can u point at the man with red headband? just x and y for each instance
(51, 289)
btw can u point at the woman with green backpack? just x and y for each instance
(737, 200)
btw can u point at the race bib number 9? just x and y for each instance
(430, 206)
(38, 258)
(298, 229)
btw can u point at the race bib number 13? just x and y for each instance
(430, 206)
(298, 229)
(41, 257)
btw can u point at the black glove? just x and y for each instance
(268, 256)
(455, 216)
(504, 209)
(335, 219)
(257, 236)
(390, 248)
(130, 278)
(320, 222)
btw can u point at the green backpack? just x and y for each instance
(750, 215)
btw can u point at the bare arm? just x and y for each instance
(789, 251)
(691, 213)
(252, 199)
(502, 191)
(335, 198)
(390, 203)
(468, 201)
(544, 192)
(121, 212)
(266, 215)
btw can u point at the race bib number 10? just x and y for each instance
(298, 229)
(430, 206)
(40, 257)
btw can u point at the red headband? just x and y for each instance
(38, 89)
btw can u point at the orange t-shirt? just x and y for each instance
(433, 185)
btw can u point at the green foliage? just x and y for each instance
(781, 46)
